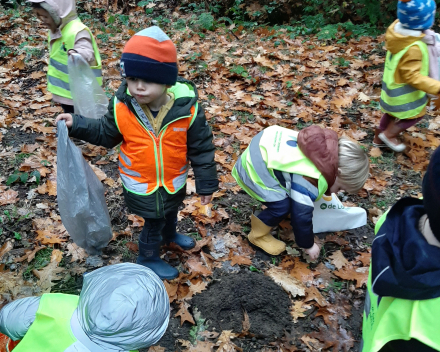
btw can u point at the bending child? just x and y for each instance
(67, 34)
(288, 171)
(402, 303)
(101, 319)
(411, 71)
(161, 125)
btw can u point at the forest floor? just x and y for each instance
(230, 296)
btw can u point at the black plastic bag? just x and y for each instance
(80, 197)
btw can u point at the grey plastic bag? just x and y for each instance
(80, 197)
(89, 98)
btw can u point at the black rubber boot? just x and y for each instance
(170, 235)
(149, 257)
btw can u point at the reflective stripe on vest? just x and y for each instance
(58, 74)
(274, 148)
(139, 173)
(399, 99)
(386, 318)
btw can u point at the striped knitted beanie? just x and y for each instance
(150, 55)
(416, 14)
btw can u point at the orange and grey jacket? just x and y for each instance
(153, 168)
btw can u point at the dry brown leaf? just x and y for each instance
(136, 220)
(338, 259)
(98, 172)
(246, 322)
(8, 197)
(184, 314)
(50, 272)
(375, 152)
(198, 288)
(364, 257)
(46, 237)
(301, 272)
(7, 246)
(29, 255)
(287, 282)
(340, 339)
(197, 267)
(297, 310)
(156, 349)
(352, 273)
(171, 290)
(314, 294)
(76, 252)
(225, 344)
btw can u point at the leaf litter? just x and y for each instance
(292, 85)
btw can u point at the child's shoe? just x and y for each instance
(377, 142)
(389, 137)
(149, 257)
(260, 236)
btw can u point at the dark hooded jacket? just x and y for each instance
(104, 132)
(404, 265)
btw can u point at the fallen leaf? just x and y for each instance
(8, 197)
(49, 273)
(340, 339)
(246, 322)
(197, 267)
(314, 294)
(29, 255)
(338, 259)
(77, 253)
(349, 272)
(364, 257)
(287, 282)
(184, 314)
(375, 152)
(7, 246)
(136, 220)
(297, 311)
(46, 237)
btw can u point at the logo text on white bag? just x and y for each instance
(331, 206)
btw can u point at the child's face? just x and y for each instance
(47, 19)
(145, 92)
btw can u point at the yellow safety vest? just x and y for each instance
(274, 148)
(400, 99)
(58, 74)
(386, 318)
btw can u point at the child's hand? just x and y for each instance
(206, 199)
(313, 252)
(67, 118)
(71, 51)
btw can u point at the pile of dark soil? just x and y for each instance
(266, 303)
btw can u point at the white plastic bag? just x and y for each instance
(89, 98)
(80, 197)
(331, 215)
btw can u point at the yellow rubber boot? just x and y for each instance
(261, 237)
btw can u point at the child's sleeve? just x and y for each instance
(302, 197)
(201, 154)
(103, 131)
(83, 46)
(409, 68)
(16, 317)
